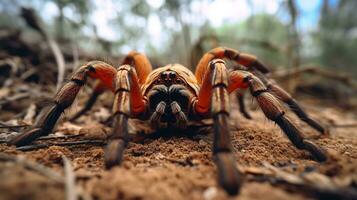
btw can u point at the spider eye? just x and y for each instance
(172, 75)
(179, 81)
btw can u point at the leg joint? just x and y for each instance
(123, 80)
(219, 73)
(258, 92)
(125, 67)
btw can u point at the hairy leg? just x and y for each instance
(273, 110)
(142, 66)
(242, 106)
(213, 98)
(64, 98)
(249, 61)
(97, 91)
(128, 102)
(284, 96)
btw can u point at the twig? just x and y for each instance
(4, 125)
(70, 180)
(48, 137)
(14, 98)
(344, 125)
(13, 128)
(41, 146)
(30, 113)
(52, 136)
(59, 60)
(317, 184)
(180, 162)
(41, 169)
(34, 22)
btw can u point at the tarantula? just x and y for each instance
(172, 95)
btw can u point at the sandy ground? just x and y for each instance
(179, 166)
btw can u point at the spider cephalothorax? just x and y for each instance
(169, 91)
(171, 96)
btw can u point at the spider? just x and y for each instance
(171, 96)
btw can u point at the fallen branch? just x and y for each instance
(14, 98)
(70, 180)
(33, 21)
(52, 136)
(315, 183)
(344, 125)
(59, 60)
(47, 137)
(41, 146)
(4, 125)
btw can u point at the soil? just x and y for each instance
(179, 166)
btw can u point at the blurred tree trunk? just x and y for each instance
(293, 50)
(60, 21)
(186, 37)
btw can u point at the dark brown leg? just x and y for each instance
(242, 107)
(292, 103)
(214, 88)
(63, 99)
(128, 101)
(273, 111)
(98, 90)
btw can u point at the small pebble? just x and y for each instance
(210, 193)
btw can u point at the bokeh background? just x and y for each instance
(309, 44)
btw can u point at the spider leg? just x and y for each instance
(273, 110)
(249, 61)
(284, 96)
(242, 106)
(128, 102)
(141, 64)
(133, 58)
(64, 98)
(213, 98)
(99, 88)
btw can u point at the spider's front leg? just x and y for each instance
(64, 98)
(142, 66)
(128, 102)
(213, 99)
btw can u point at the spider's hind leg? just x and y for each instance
(99, 88)
(273, 110)
(284, 96)
(242, 105)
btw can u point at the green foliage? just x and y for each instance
(337, 36)
(333, 45)
(263, 35)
